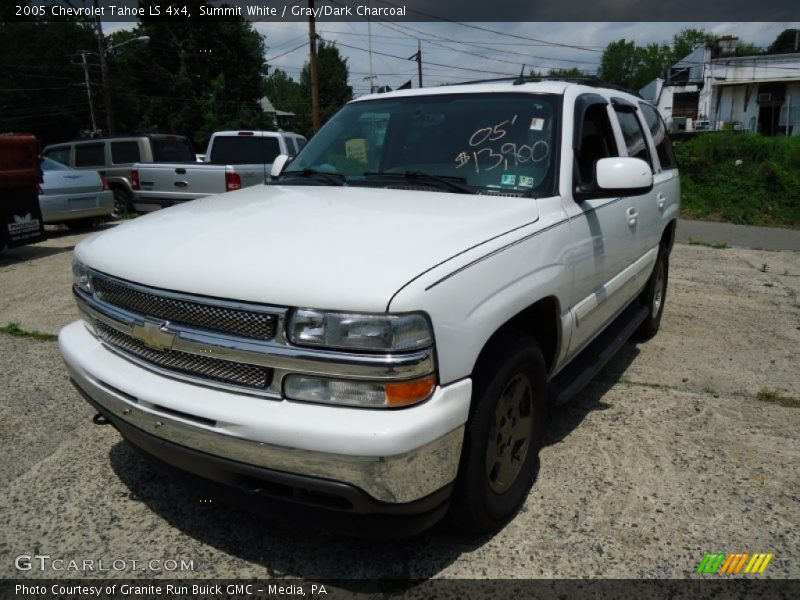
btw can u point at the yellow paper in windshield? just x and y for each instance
(356, 149)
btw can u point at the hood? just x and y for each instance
(346, 248)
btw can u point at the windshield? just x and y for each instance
(503, 143)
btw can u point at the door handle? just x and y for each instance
(633, 216)
(661, 200)
(181, 184)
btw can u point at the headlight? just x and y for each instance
(351, 331)
(367, 394)
(81, 277)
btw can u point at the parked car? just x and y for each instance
(233, 160)
(381, 332)
(73, 197)
(114, 158)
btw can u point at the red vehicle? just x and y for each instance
(20, 216)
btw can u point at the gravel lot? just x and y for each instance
(667, 455)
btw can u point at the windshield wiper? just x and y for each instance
(332, 178)
(456, 184)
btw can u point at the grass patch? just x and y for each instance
(762, 189)
(17, 331)
(716, 246)
(775, 397)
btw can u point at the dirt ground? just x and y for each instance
(681, 446)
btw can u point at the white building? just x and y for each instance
(718, 90)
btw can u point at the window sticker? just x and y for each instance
(537, 124)
(356, 149)
(525, 181)
(508, 179)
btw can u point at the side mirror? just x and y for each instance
(279, 163)
(624, 176)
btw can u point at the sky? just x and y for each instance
(454, 52)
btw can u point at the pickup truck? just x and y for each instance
(379, 333)
(233, 160)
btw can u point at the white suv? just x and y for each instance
(380, 331)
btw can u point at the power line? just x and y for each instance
(426, 62)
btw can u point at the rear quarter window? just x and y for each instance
(172, 149)
(90, 155)
(125, 152)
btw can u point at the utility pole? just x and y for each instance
(98, 27)
(418, 58)
(88, 90)
(312, 40)
(369, 38)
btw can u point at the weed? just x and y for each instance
(17, 331)
(775, 397)
(769, 284)
(715, 245)
(764, 268)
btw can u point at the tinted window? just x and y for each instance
(124, 152)
(60, 154)
(172, 149)
(244, 150)
(658, 130)
(299, 142)
(90, 155)
(597, 141)
(634, 136)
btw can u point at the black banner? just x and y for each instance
(574, 589)
(404, 10)
(20, 217)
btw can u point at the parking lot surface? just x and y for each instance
(683, 445)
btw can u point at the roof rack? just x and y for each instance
(589, 80)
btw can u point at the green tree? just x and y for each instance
(191, 80)
(284, 92)
(568, 73)
(788, 40)
(43, 90)
(688, 40)
(632, 66)
(334, 91)
(620, 63)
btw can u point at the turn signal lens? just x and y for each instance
(368, 394)
(409, 392)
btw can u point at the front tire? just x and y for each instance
(654, 296)
(503, 436)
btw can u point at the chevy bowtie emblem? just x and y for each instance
(154, 336)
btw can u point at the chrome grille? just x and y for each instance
(232, 321)
(203, 367)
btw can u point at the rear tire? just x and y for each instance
(499, 460)
(654, 296)
(122, 203)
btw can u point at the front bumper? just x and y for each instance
(393, 457)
